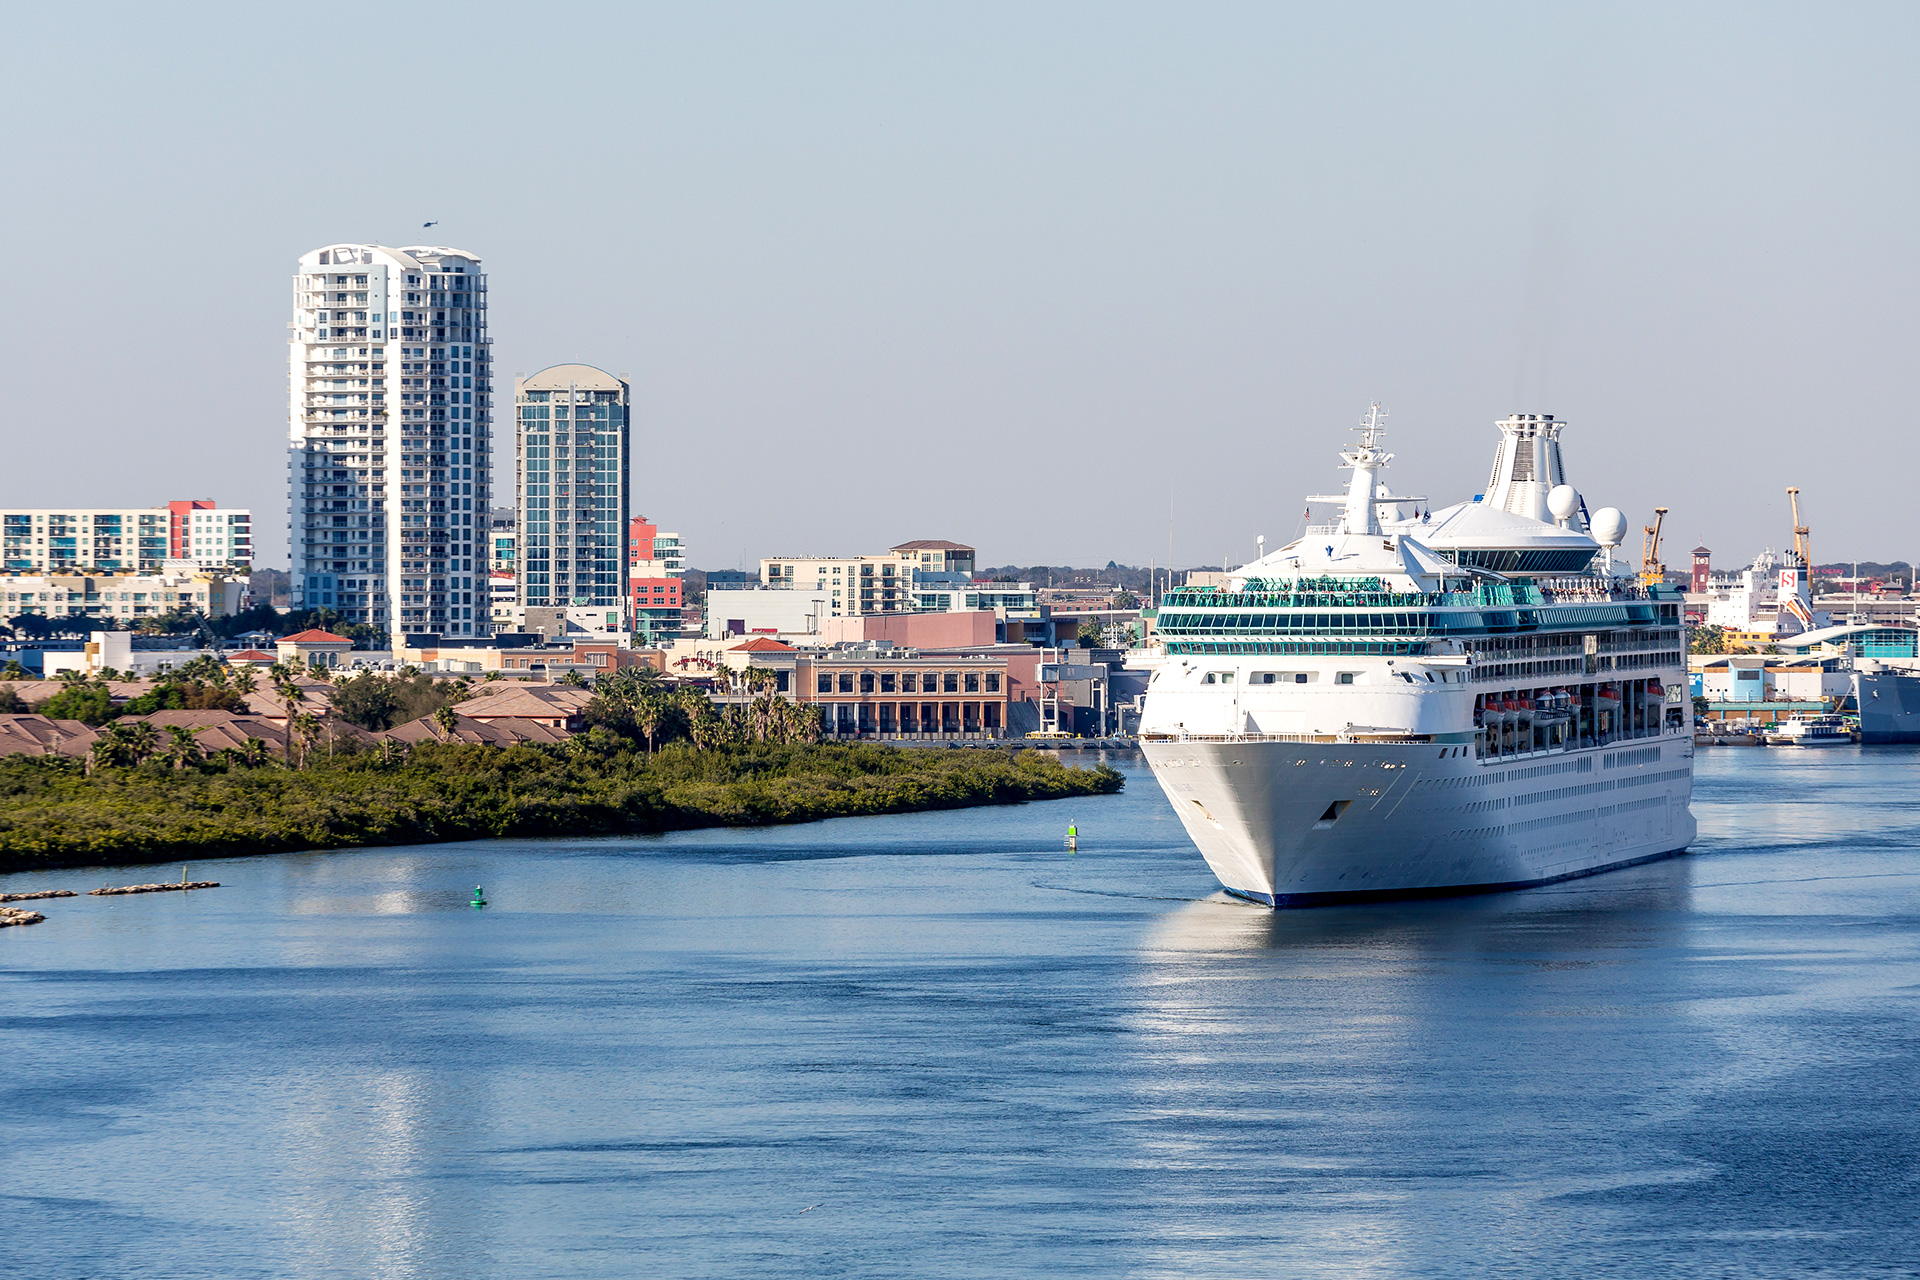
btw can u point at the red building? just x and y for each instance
(1702, 568)
(653, 577)
(179, 522)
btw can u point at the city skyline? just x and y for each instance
(1173, 259)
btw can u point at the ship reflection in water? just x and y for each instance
(942, 1044)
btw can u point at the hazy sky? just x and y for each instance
(1025, 276)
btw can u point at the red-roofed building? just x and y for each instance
(314, 647)
(252, 658)
(764, 651)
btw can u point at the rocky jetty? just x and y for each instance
(14, 915)
(108, 891)
(35, 897)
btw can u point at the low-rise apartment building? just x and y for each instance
(858, 585)
(124, 597)
(125, 539)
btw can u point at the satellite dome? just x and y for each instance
(1563, 501)
(1609, 526)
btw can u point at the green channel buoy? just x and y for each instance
(479, 896)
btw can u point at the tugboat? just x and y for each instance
(1810, 731)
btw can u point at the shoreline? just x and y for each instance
(59, 820)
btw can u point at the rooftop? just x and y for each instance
(561, 376)
(762, 644)
(313, 635)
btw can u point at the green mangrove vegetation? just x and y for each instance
(60, 812)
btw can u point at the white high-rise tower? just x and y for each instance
(389, 432)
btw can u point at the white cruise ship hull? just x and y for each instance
(1297, 823)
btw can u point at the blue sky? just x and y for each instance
(1024, 276)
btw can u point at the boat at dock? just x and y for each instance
(1810, 731)
(1411, 703)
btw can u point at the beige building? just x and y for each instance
(318, 649)
(40, 540)
(860, 585)
(123, 597)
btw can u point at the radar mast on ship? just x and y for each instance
(1364, 497)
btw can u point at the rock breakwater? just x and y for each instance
(108, 891)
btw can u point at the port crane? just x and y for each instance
(1652, 572)
(1802, 544)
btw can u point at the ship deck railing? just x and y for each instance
(1420, 739)
(1402, 738)
(1374, 593)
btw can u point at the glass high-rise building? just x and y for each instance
(572, 441)
(389, 427)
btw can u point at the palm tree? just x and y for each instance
(109, 749)
(182, 747)
(13, 670)
(649, 712)
(253, 753)
(306, 727)
(448, 720)
(244, 681)
(142, 741)
(765, 714)
(72, 675)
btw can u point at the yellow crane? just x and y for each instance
(1652, 572)
(1802, 544)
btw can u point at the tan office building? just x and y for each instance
(861, 585)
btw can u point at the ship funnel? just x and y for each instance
(1527, 466)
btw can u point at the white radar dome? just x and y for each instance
(1609, 526)
(1563, 501)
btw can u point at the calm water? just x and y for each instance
(938, 1045)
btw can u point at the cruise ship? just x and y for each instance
(1415, 702)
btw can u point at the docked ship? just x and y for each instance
(1888, 698)
(1414, 702)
